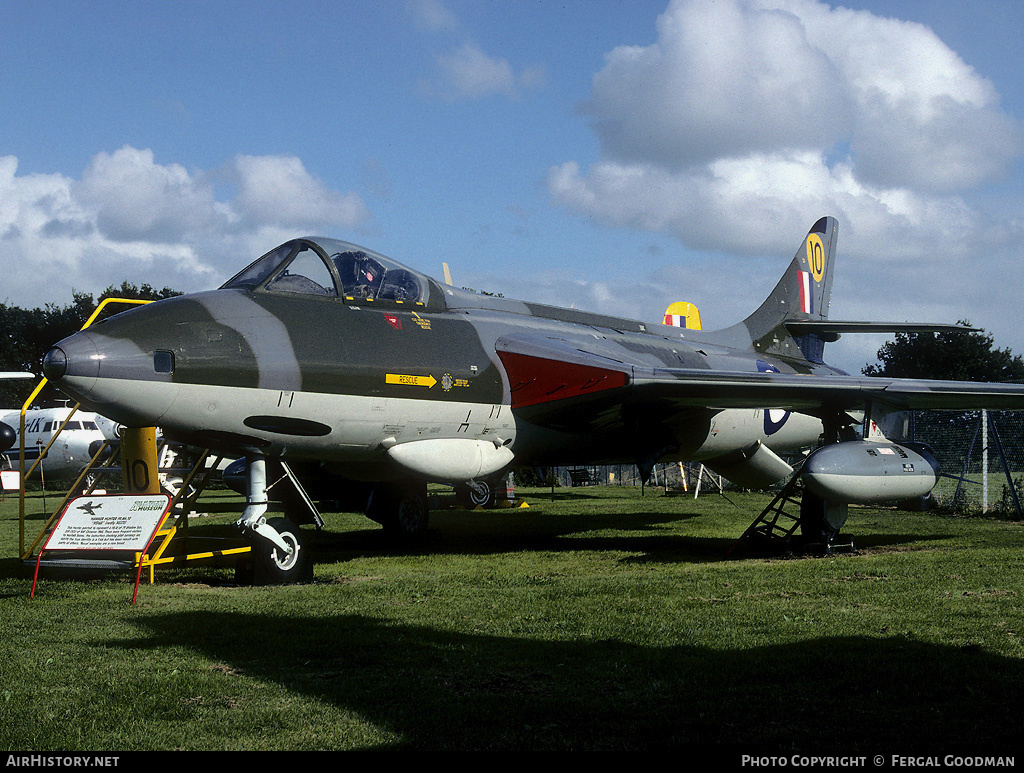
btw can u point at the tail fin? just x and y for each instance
(683, 314)
(803, 293)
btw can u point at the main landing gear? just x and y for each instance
(400, 507)
(476, 493)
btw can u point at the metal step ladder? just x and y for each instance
(778, 522)
(776, 527)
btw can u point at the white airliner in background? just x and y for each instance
(68, 456)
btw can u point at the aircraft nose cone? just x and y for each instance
(55, 364)
(73, 363)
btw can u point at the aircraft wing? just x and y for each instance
(798, 392)
(569, 384)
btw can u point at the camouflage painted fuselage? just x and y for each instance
(349, 373)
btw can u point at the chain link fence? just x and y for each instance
(981, 454)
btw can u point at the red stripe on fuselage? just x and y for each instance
(534, 380)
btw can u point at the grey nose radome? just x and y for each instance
(73, 363)
(55, 364)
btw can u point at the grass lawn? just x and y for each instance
(597, 618)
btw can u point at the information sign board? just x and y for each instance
(109, 523)
(122, 523)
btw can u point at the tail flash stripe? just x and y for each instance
(806, 293)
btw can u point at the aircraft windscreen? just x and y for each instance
(257, 272)
(364, 275)
(305, 274)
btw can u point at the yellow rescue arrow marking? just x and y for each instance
(406, 380)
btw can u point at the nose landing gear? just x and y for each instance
(281, 567)
(276, 543)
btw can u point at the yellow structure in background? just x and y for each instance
(140, 470)
(21, 438)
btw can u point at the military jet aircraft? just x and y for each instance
(322, 352)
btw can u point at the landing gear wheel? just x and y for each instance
(475, 493)
(402, 510)
(820, 522)
(274, 566)
(412, 514)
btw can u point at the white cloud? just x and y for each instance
(132, 198)
(279, 190)
(432, 15)
(740, 77)
(748, 119)
(129, 217)
(723, 79)
(923, 118)
(761, 203)
(468, 72)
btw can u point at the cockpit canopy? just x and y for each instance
(333, 268)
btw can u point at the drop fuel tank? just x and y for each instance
(870, 472)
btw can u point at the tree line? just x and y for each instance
(967, 355)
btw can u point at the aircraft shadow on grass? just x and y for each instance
(646, 534)
(435, 689)
(498, 532)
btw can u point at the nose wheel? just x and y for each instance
(277, 542)
(280, 566)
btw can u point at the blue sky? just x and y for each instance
(616, 156)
